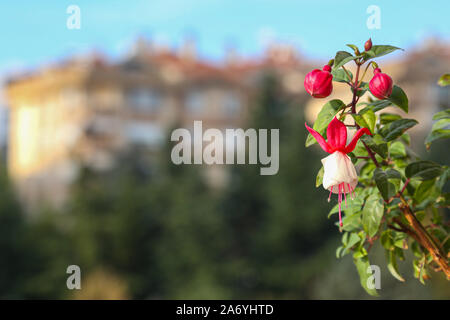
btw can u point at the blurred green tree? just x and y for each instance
(13, 264)
(278, 235)
(159, 231)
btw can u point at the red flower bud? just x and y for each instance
(380, 85)
(368, 45)
(318, 83)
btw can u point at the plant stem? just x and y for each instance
(425, 239)
(354, 100)
(348, 75)
(404, 186)
(364, 73)
(371, 154)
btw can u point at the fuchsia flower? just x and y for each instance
(319, 83)
(381, 84)
(339, 172)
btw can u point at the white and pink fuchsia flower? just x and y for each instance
(339, 172)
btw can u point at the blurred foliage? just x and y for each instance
(151, 229)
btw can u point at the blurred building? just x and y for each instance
(85, 110)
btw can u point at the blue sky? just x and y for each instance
(34, 32)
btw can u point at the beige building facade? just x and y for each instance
(84, 111)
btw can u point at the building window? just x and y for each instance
(145, 100)
(231, 104)
(144, 133)
(195, 102)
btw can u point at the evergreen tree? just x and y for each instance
(13, 264)
(276, 227)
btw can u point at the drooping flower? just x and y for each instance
(319, 83)
(381, 84)
(339, 175)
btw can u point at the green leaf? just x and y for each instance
(386, 240)
(355, 48)
(342, 57)
(338, 251)
(406, 138)
(393, 174)
(437, 135)
(345, 238)
(371, 119)
(392, 265)
(362, 266)
(360, 150)
(352, 222)
(442, 115)
(340, 75)
(441, 124)
(444, 201)
(397, 150)
(319, 177)
(353, 157)
(420, 215)
(353, 206)
(399, 98)
(426, 190)
(386, 118)
(360, 120)
(359, 252)
(366, 119)
(423, 170)
(443, 178)
(438, 131)
(387, 189)
(444, 80)
(378, 51)
(376, 143)
(352, 240)
(420, 271)
(415, 248)
(329, 110)
(372, 214)
(375, 106)
(396, 128)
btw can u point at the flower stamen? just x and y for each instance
(340, 200)
(345, 196)
(350, 190)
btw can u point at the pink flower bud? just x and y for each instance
(318, 83)
(380, 85)
(368, 45)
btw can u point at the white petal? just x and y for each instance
(338, 168)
